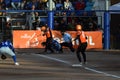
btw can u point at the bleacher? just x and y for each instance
(18, 20)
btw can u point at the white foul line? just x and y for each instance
(106, 74)
(55, 59)
(87, 68)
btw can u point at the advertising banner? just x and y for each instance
(34, 38)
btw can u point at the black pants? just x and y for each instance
(81, 49)
(69, 45)
(49, 45)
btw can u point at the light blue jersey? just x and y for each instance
(67, 37)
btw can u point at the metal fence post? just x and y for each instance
(50, 19)
(50, 15)
(107, 30)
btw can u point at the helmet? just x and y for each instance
(43, 28)
(78, 27)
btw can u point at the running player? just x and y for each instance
(6, 47)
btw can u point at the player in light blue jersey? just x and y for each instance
(67, 38)
(6, 47)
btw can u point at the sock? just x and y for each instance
(14, 58)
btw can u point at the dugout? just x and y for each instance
(115, 31)
(115, 26)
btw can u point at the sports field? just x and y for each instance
(36, 65)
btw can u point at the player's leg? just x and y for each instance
(71, 47)
(78, 53)
(62, 44)
(11, 53)
(84, 46)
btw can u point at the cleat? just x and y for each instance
(84, 63)
(17, 64)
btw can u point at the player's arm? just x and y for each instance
(11, 47)
(77, 37)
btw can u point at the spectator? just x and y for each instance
(91, 27)
(92, 24)
(31, 3)
(2, 19)
(8, 4)
(16, 4)
(68, 5)
(89, 6)
(56, 25)
(80, 5)
(8, 30)
(30, 18)
(1, 13)
(71, 20)
(36, 24)
(24, 5)
(59, 5)
(41, 5)
(2, 3)
(99, 5)
(33, 15)
(63, 24)
(53, 5)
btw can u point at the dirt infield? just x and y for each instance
(36, 65)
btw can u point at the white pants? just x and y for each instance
(7, 50)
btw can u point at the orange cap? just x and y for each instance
(78, 27)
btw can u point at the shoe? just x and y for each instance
(77, 65)
(84, 62)
(17, 64)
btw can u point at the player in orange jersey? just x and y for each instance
(82, 43)
(48, 33)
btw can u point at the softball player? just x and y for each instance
(6, 47)
(47, 32)
(82, 43)
(67, 41)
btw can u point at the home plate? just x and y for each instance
(76, 65)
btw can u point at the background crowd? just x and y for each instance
(43, 4)
(68, 12)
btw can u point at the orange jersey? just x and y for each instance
(48, 35)
(82, 37)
